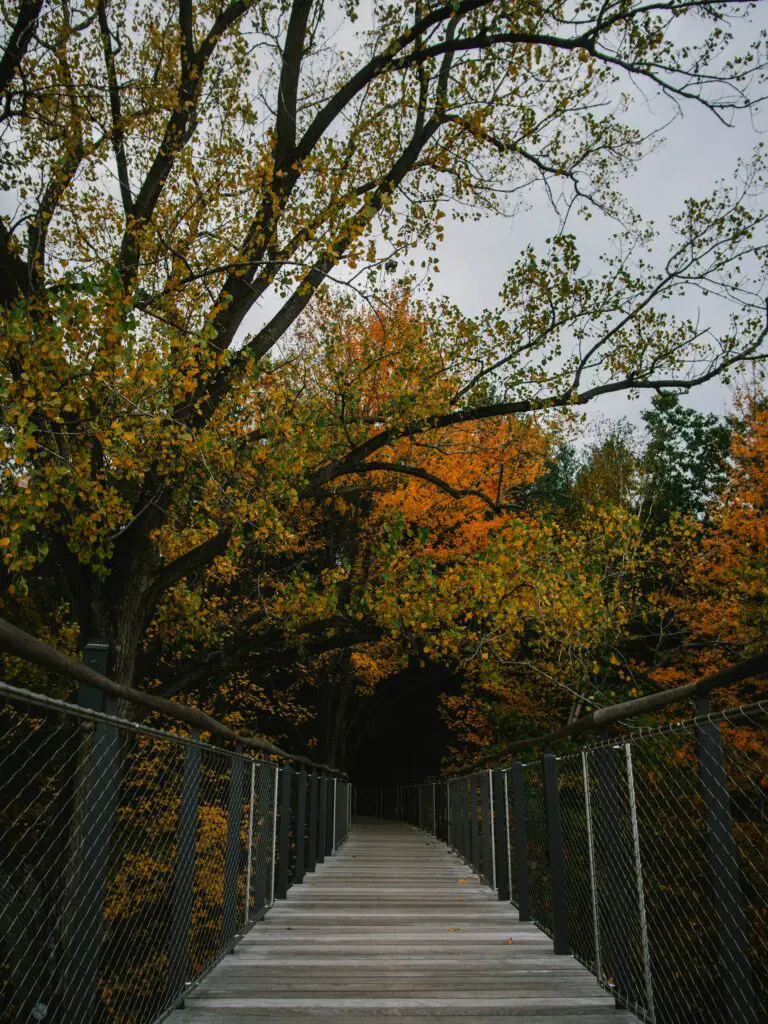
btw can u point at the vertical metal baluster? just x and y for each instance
(283, 850)
(448, 812)
(250, 847)
(474, 811)
(335, 805)
(232, 855)
(274, 833)
(592, 872)
(727, 896)
(556, 859)
(470, 848)
(97, 801)
(184, 874)
(301, 825)
(509, 846)
(492, 829)
(312, 839)
(321, 818)
(639, 883)
(434, 812)
(500, 835)
(521, 843)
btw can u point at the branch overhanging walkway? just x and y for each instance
(394, 925)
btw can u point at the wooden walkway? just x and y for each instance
(395, 926)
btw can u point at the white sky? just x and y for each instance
(697, 152)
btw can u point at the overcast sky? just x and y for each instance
(697, 152)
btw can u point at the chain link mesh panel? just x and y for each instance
(117, 840)
(664, 855)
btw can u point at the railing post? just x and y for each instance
(249, 865)
(275, 807)
(283, 853)
(184, 874)
(335, 814)
(94, 824)
(312, 837)
(727, 896)
(521, 844)
(321, 823)
(301, 824)
(474, 806)
(330, 814)
(434, 811)
(466, 852)
(591, 855)
(609, 829)
(448, 797)
(639, 885)
(232, 855)
(485, 805)
(501, 834)
(556, 860)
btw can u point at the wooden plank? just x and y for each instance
(394, 925)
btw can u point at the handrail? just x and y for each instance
(746, 669)
(23, 645)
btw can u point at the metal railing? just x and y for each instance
(133, 859)
(645, 857)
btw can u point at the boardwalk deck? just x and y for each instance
(394, 926)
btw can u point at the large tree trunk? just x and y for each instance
(114, 608)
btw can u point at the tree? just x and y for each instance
(719, 603)
(177, 164)
(685, 459)
(610, 472)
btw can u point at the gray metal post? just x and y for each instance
(335, 813)
(249, 867)
(556, 860)
(521, 844)
(273, 858)
(312, 837)
(639, 885)
(301, 824)
(94, 825)
(614, 870)
(592, 872)
(330, 814)
(284, 848)
(501, 835)
(736, 975)
(448, 798)
(233, 851)
(321, 822)
(474, 809)
(485, 809)
(466, 816)
(184, 874)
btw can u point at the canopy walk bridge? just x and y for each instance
(395, 926)
(147, 875)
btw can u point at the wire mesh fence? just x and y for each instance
(131, 861)
(645, 857)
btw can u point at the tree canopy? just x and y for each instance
(227, 422)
